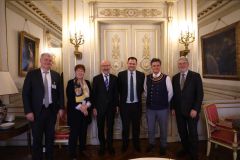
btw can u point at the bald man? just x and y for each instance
(105, 104)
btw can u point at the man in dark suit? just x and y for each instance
(105, 103)
(186, 105)
(42, 99)
(130, 84)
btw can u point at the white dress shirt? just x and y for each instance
(168, 84)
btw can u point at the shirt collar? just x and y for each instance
(156, 75)
(42, 71)
(185, 73)
(105, 74)
(129, 72)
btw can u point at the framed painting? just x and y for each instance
(28, 53)
(221, 53)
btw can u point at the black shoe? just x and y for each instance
(82, 154)
(137, 148)
(124, 148)
(111, 151)
(73, 156)
(101, 151)
(149, 148)
(162, 151)
(181, 153)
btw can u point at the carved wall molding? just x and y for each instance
(170, 10)
(217, 91)
(116, 62)
(131, 12)
(145, 62)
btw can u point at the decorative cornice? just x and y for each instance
(40, 13)
(130, 12)
(212, 8)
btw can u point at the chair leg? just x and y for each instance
(208, 148)
(234, 154)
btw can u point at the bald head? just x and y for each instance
(105, 66)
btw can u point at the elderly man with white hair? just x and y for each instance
(42, 99)
(186, 105)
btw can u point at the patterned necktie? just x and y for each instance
(106, 81)
(46, 95)
(182, 81)
(131, 88)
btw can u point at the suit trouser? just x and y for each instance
(131, 115)
(78, 131)
(187, 129)
(44, 125)
(162, 117)
(107, 118)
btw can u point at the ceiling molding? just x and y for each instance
(212, 8)
(219, 13)
(129, 1)
(29, 14)
(40, 13)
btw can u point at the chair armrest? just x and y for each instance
(224, 124)
(211, 124)
(225, 128)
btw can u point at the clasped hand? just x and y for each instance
(83, 108)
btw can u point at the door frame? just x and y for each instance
(163, 38)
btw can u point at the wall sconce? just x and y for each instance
(186, 38)
(77, 40)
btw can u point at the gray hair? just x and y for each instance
(45, 54)
(183, 58)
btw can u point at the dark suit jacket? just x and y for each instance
(190, 97)
(104, 99)
(75, 116)
(33, 92)
(123, 85)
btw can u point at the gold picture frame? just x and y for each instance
(28, 53)
(221, 53)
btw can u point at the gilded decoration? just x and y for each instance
(145, 62)
(130, 12)
(116, 62)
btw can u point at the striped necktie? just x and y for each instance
(106, 81)
(46, 94)
(182, 81)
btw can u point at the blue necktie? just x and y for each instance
(131, 88)
(106, 81)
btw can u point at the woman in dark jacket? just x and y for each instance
(78, 110)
